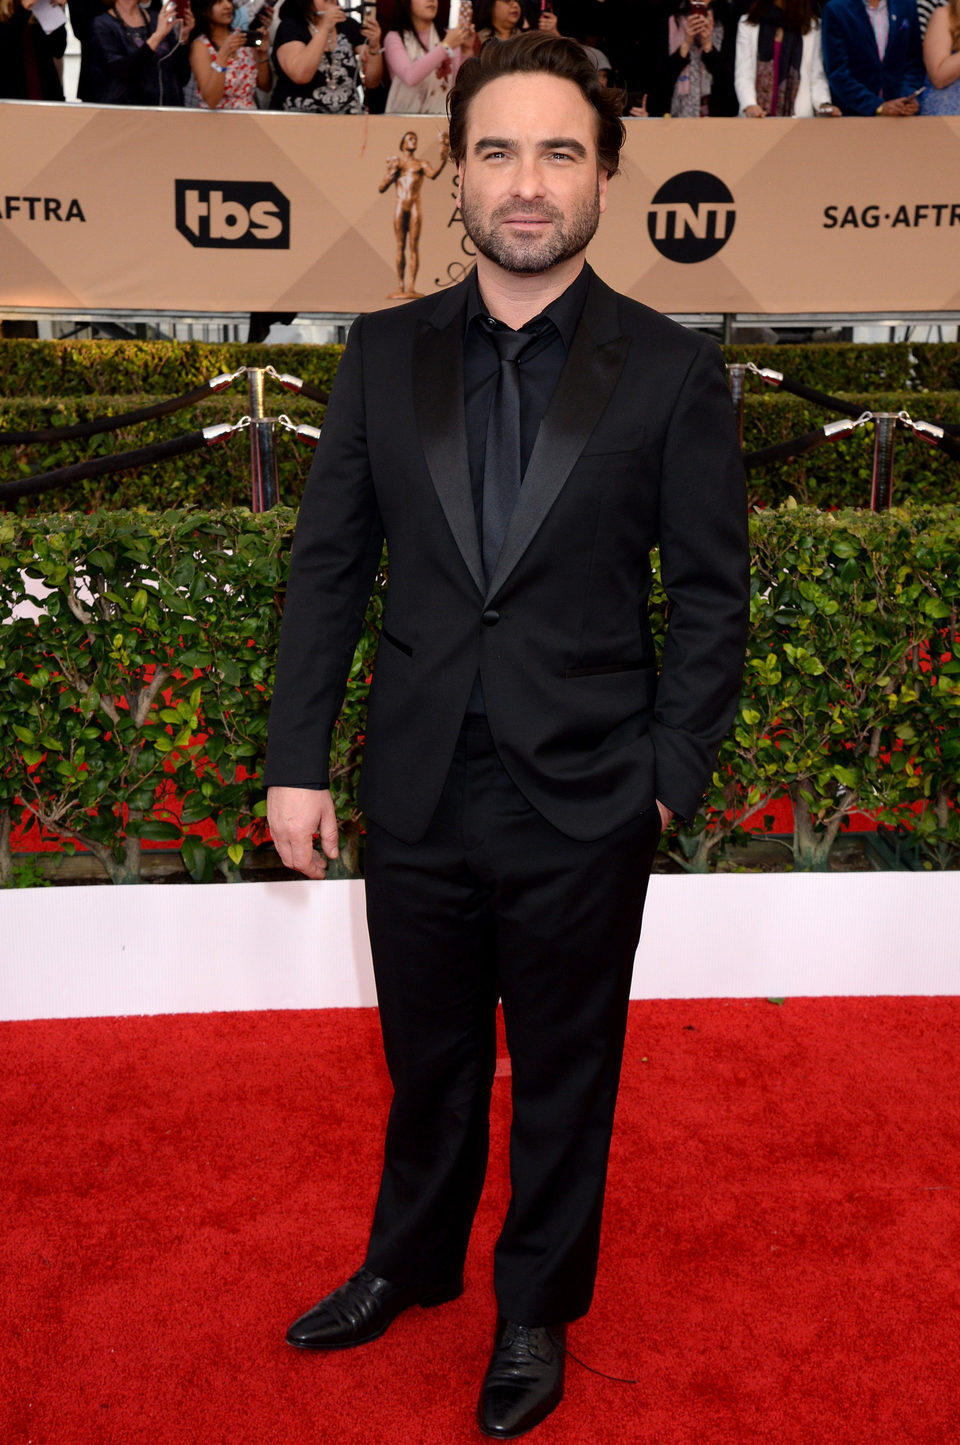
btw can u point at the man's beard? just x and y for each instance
(529, 254)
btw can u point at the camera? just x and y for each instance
(254, 36)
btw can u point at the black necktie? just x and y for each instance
(501, 466)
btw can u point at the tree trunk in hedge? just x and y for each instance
(6, 856)
(124, 870)
(945, 854)
(128, 870)
(350, 848)
(694, 852)
(812, 847)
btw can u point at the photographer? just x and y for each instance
(779, 61)
(227, 67)
(422, 66)
(321, 56)
(139, 56)
(505, 19)
(31, 61)
(941, 56)
(498, 20)
(694, 61)
(874, 68)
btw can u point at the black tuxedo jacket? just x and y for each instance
(638, 448)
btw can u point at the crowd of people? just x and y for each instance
(683, 58)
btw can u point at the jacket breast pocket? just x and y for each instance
(597, 453)
(621, 430)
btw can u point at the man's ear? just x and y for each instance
(460, 175)
(603, 180)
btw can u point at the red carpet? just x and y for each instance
(782, 1237)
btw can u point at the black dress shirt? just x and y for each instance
(540, 367)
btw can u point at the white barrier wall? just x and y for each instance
(87, 952)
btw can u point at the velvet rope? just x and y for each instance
(102, 466)
(795, 447)
(846, 408)
(106, 423)
(313, 393)
(947, 443)
(821, 398)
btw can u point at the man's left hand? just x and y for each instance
(666, 814)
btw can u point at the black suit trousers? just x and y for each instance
(494, 902)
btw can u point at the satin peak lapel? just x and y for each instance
(590, 373)
(438, 392)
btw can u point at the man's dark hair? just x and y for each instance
(539, 53)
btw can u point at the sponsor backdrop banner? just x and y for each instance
(187, 211)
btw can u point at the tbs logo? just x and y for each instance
(235, 215)
(691, 217)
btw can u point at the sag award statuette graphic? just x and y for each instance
(406, 171)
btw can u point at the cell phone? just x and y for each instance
(698, 7)
(181, 7)
(253, 38)
(368, 9)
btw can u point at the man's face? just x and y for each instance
(531, 189)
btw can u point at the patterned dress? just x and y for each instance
(239, 82)
(945, 101)
(941, 102)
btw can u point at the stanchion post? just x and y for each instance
(264, 489)
(738, 386)
(881, 490)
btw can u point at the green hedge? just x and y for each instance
(836, 475)
(851, 697)
(842, 366)
(157, 368)
(83, 368)
(136, 704)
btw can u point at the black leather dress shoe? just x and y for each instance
(361, 1310)
(524, 1380)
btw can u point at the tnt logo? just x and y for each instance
(691, 217)
(236, 215)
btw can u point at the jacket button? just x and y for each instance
(491, 617)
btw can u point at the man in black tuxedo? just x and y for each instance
(521, 441)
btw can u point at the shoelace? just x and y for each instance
(522, 1335)
(618, 1379)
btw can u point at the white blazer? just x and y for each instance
(813, 89)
